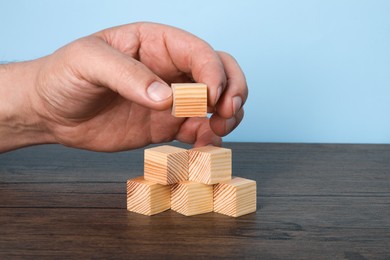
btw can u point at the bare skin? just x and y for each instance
(110, 91)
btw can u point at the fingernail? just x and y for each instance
(237, 103)
(219, 92)
(230, 124)
(158, 91)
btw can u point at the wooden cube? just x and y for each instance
(148, 198)
(210, 164)
(191, 198)
(189, 100)
(166, 164)
(236, 197)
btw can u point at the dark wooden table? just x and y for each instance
(314, 202)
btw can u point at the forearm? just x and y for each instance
(19, 124)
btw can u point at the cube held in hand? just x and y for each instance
(189, 99)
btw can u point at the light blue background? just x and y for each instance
(318, 71)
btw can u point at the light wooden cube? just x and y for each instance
(191, 198)
(147, 198)
(236, 197)
(189, 100)
(166, 164)
(210, 164)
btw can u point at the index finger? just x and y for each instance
(196, 57)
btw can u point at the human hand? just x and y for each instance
(109, 91)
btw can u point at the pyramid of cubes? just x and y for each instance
(190, 182)
(194, 181)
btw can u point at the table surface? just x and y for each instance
(315, 201)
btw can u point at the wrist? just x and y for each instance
(20, 125)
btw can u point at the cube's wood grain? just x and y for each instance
(191, 198)
(189, 100)
(166, 164)
(236, 197)
(210, 164)
(147, 198)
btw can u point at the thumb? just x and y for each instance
(102, 65)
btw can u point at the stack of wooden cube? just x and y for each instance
(194, 181)
(190, 182)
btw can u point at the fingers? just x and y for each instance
(226, 82)
(229, 111)
(227, 88)
(222, 126)
(197, 131)
(210, 72)
(236, 91)
(193, 56)
(102, 65)
(169, 52)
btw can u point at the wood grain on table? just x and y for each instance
(315, 201)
